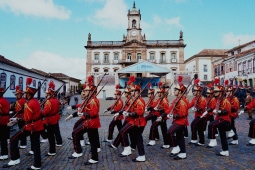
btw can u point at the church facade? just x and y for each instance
(111, 56)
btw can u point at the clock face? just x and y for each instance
(133, 33)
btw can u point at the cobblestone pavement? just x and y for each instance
(241, 156)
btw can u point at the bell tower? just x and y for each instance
(134, 30)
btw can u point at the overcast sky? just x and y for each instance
(50, 35)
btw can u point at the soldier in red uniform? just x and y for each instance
(51, 116)
(210, 106)
(251, 133)
(178, 110)
(4, 129)
(115, 108)
(222, 120)
(151, 115)
(159, 107)
(19, 109)
(90, 126)
(198, 105)
(33, 128)
(233, 114)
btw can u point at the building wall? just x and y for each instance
(202, 71)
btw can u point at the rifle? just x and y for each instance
(89, 97)
(171, 112)
(138, 95)
(116, 102)
(7, 88)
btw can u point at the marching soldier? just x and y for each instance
(222, 120)
(51, 116)
(161, 104)
(151, 115)
(198, 105)
(115, 108)
(33, 128)
(248, 100)
(210, 106)
(178, 111)
(19, 110)
(233, 114)
(90, 125)
(4, 129)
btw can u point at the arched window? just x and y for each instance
(34, 83)
(21, 83)
(106, 70)
(134, 24)
(3, 80)
(39, 91)
(12, 82)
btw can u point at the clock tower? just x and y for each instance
(134, 31)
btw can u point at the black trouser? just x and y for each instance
(163, 126)
(177, 140)
(4, 135)
(131, 136)
(197, 126)
(23, 141)
(153, 119)
(138, 131)
(186, 133)
(77, 134)
(57, 134)
(44, 132)
(221, 125)
(233, 127)
(123, 135)
(78, 123)
(51, 137)
(111, 127)
(209, 118)
(35, 145)
(252, 129)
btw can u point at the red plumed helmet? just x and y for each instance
(160, 84)
(196, 81)
(216, 81)
(226, 82)
(29, 81)
(209, 85)
(129, 83)
(132, 79)
(117, 86)
(180, 78)
(149, 85)
(90, 80)
(84, 86)
(52, 85)
(17, 88)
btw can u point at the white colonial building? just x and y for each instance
(202, 63)
(111, 56)
(239, 66)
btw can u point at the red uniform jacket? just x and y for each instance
(251, 105)
(164, 104)
(186, 100)
(51, 111)
(224, 105)
(118, 106)
(150, 103)
(138, 107)
(180, 109)
(4, 111)
(201, 103)
(19, 107)
(234, 106)
(210, 104)
(127, 104)
(92, 107)
(32, 116)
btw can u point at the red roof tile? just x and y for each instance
(245, 53)
(240, 46)
(213, 52)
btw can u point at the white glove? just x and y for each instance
(194, 109)
(105, 111)
(115, 116)
(241, 105)
(80, 114)
(13, 120)
(69, 117)
(69, 107)
(159, 119)
(170, 116)
(215, 111)
(241, 112)
(79, 109)
(156, 108)
(11, 124)
(125, 113)
(205, 113)
(10, 112)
